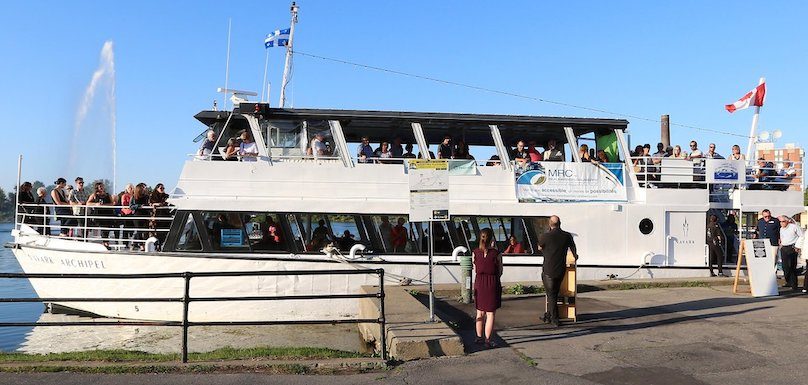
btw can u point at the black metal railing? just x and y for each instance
(186, 300)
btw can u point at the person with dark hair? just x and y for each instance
(59, 198)
(346, 241)
(100, 197)
(383, 152)
(396, 149)
(514, 246)
(408, 154)
(462, 150)
(364, 152)
(487, 286)
(445, 150)
(398, 235)
(716, 243)
(519, 154)
(42, 218)
(764, 174)
(602, 157)
(730, 227)
(231, 151)
(554, 245)
(248, 150)
(157, 200)
(493, 161)
(551, 153)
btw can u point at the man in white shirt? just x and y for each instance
(318, 147)
(790, 233)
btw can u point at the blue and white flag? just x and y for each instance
(279, 38)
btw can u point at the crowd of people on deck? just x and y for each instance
(93, 213)
(763, 177)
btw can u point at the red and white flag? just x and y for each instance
(753, 98)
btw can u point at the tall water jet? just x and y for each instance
(91, 132)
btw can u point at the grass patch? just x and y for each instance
(215, 355)
(520, 289)
(656, 285)
(148, 369)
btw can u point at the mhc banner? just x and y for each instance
(561, 181)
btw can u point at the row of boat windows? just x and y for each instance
(380, 234)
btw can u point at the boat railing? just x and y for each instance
(97, 223)
(653, 172)
(186, 299)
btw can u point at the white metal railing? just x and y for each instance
(90, 223)
(654, 172)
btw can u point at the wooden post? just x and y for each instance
(665, 127)
(741, 256)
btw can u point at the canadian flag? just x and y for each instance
(754, 98)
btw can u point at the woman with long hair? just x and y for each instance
(487, 285)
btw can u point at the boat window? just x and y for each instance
(297, 232)
(466, 233)
(504, 228)
(226, 230)
(539, 226)
(264, 232)
(347, 231)
(444, 243)
(189, 238)
(389, 238)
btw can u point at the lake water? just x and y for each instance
(12, 337)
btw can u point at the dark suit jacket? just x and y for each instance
(554, 245)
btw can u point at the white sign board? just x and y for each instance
(677, 171)
(725, 171)
(429, 190)
(760, 265)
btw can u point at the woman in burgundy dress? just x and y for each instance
(487, 286)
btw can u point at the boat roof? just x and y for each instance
(382, 125)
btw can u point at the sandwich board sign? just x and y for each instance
(429, 190)
(760, 267)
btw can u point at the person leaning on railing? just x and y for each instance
(100, 197)
(42, 217)
(158, 200)
(62, 209)
(764, 174)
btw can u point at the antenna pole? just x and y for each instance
(753, 130)
(264, 83)
(227, 63)
(17, 195)
(287, 66)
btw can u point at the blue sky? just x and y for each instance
(684, 58)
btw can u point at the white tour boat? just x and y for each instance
(281, 210)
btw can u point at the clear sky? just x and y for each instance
(683, 58)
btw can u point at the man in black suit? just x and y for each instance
(554, 245)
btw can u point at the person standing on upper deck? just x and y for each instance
(790, 234)
(248, 150)
(533, 152)
(318, 147)
(695, 153)
(519, 154)
(396, 149)
(445, 150)
(552, 154)
(736, 153)
(711, 154)
(554, 245)
(364, 151)
(206, 149)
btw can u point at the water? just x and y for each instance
(12, 337)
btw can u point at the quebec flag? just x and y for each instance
(279, 38)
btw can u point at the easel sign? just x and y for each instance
(759, 266)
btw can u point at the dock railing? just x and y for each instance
(187, 299)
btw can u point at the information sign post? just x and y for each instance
(429, 202)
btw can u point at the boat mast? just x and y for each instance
(287, 66)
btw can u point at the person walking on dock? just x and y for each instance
(487, 285)
(554, 245)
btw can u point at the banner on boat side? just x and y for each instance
(563, 182)
(725, 171)
(429, 190)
